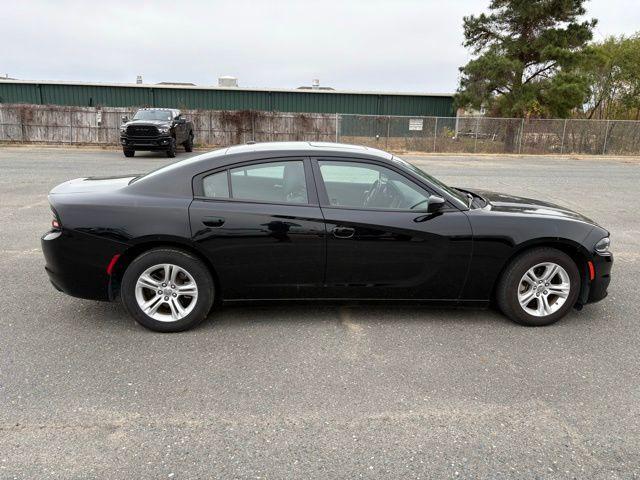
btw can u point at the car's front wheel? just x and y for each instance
(171, 150)
(128, 152)
(167, 290)
(538, 287)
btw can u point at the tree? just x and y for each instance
(613, 73)
(526, 58)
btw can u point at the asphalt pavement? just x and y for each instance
(319, 391)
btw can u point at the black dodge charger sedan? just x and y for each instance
(315, 221)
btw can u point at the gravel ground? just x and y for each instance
(318, 392)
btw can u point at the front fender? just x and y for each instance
(498, 238)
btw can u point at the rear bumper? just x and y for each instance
(160, 142)
(602, 265)
(76, 263)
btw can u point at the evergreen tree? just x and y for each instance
(526, 58)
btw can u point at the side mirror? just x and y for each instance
(435, 203)
(124, 119)
(180, 121)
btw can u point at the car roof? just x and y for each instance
(311, 148)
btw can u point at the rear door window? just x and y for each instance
(275, 182)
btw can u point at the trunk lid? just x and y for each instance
(92, 184)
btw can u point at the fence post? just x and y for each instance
(606, 134)
(475, 143)
(337, 136)
(386, 145)
(211, 138)
(520, 136)
(253, 126)
(22, 131)
(435, 135)
(564, 130)
(70, 126)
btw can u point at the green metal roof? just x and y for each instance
(229, 98)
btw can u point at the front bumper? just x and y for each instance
(159, 142)
(76, 263)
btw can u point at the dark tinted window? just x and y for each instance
(363, 185)
(270, 182)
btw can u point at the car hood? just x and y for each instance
(156, 123)
(502, 202)
(92, 184)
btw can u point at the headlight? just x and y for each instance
(163, 129)
(123, 128)
(603, 245)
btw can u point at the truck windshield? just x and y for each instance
(164, 115)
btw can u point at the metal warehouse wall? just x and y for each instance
(224, 99)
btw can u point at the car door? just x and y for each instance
(378, 246)
(260, 225)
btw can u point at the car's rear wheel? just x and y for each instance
(171, 151)
(167, 290)
(128, 152)
(188, 144)
(538, 287)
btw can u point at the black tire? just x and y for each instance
(128, 152)
(182, 259)
(509, 285)
(171, 151)
(188, 144)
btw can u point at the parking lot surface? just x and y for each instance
(319, 391)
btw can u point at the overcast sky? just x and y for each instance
(401, 45)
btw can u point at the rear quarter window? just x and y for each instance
(216, 185)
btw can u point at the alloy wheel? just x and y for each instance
(166, 292)
(544, 289)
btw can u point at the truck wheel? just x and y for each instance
(128, 152)
(188, 144)
(171, 151)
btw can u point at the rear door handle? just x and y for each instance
(213, 221)
(344, 232)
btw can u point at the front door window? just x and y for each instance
(369, 186)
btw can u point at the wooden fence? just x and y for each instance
(101, 126)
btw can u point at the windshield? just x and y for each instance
(415, 170)
(163, 115)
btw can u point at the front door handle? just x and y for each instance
(213, 221)
(344, 232)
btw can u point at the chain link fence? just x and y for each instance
(491, 135)
(215, 128)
